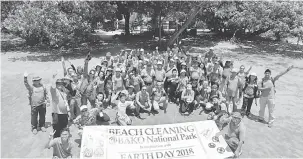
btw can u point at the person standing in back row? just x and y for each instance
(267, 97)
(38, 99)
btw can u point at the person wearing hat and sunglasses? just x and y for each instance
(60, 107)
(89, 117)
(250, 92)
(236, 133)
(38, 99)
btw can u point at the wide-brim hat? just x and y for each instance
(131, 86)
(36, 78)
(253, 74)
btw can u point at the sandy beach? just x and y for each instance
(283, 140)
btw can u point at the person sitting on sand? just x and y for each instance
(267, 97)
(38, 99)
(235, 134)
(187, 99)
(143, 101)
(62, 146)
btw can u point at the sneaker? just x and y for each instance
(35, 131)
(43, 129)
(270, 125)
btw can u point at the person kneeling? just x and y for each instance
(121, 117)
(187, 100)
(235, 134)
(89, 117)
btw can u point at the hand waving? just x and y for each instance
(25, 74)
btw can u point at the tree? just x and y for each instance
(42, 22)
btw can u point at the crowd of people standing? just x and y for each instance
(136, 82)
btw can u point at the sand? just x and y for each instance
(284, 139)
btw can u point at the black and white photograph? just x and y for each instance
(151, 79)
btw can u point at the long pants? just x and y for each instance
(172, 91)
(247, 102)
(104, 118)
(184, 107)
(91, 100)
(41, 110)
(265, 101)
(62, 123)
(75, 104)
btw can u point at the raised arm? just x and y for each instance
(64, 67)
(283, 73)
(28, 87)
(87, 59)
(247, 72)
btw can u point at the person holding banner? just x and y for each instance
(235, 134)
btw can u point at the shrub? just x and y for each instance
(44, 23)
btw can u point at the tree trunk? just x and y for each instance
(160, 29)
(126, 27)
(184, 26)
(278, 36)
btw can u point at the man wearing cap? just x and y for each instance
(143, 101)
(148, 75)
(234, 86)
(87, 86)
(89, 117)
(267, 97)
(159, 72)
(60, 107)
(236, 133)
(38, 98)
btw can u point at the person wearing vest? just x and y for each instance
(267, 97)
(60, 107)
(38, 99)
(87, 85)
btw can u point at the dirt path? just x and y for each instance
(283, 140)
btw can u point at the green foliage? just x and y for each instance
(57, 23)
(255, 17)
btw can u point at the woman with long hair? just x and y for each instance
(250, 93)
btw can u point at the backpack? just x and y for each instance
(273, 82)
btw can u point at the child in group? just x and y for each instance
(121, 116)
(38, 99)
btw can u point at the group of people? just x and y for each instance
(136, 82)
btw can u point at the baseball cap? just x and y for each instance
(159, 63)
(83, 107)
(234, 70)
(253, 74)
(36, 78)
(108, 54)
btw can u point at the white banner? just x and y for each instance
(192, 140)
